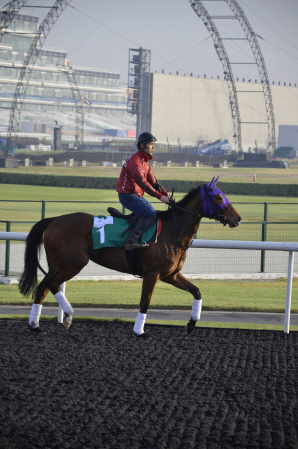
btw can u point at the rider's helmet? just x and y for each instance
(145, 138)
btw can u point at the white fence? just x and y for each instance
(290, 247)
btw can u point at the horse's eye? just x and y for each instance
(218, 197)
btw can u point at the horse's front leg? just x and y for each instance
(179, 281)
(149, 283)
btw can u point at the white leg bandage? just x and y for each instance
(34, 315)
(196, 309)
(62, 301)
(139, 323)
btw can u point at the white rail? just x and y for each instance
(291, 247)
(271, 246)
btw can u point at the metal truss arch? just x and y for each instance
(252, 39)
(79, 106)
(29, 62)
(7, 16)
(202, 12)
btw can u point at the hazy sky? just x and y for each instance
(98, 33)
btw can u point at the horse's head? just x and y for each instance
(217, 206)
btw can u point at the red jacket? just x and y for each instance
(136, 176)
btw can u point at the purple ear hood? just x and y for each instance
(209, 208)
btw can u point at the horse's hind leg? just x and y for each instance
(179, 281)
(53, 284)
(41, 292)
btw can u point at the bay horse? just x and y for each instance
(68, 246)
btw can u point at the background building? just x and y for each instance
(49, 90)
(184, 110)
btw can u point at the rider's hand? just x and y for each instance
(165, 199)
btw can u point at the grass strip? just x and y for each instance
(218, 295)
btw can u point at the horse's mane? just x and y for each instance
(164, 215)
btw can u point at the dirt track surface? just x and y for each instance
(98, 386)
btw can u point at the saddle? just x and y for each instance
(115, 213)
(132, 219)
(133, 255)
(104, 235)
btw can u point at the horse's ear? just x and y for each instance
(210, 186)
(215, 182)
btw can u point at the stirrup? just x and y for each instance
(135, 245)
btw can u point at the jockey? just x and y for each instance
(136, 177)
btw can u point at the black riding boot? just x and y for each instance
(142, 226)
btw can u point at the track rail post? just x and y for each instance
(7, 251)
(289, 292)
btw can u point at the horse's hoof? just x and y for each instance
(37, 330)
(67, 321)
(190, 327)
(144, 335)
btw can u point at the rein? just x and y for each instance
(209, 214)
(179, 231)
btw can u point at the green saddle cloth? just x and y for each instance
(106, 232)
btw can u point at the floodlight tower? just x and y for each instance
(138, 89)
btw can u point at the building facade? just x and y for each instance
(183, 110)
(48, 88)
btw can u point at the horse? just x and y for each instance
(68, 246)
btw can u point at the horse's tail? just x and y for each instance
(28, 282)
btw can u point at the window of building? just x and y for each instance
(102, 96)
(48, 92)
(35, 75)
(4, 54)
(6, 72)
(20, 25)
(31, 90)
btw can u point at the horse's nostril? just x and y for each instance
(239, 219)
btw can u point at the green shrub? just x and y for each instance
(85, 182)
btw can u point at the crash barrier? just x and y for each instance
(290, 247)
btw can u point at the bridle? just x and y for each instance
(210, 210)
